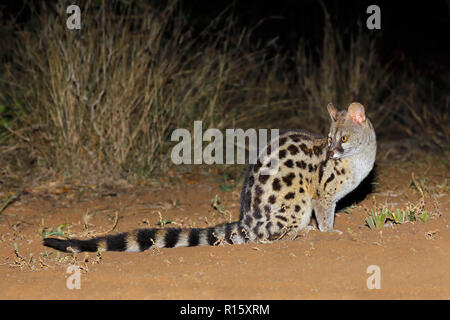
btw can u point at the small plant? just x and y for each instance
(162, 222)
(348, 209)
(46, 254)
(62, 230)
(377, 219)
(401, 216)
(425, 217)
(225, 186)
(216, 203)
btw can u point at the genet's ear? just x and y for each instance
(356, 113)
(332, 111)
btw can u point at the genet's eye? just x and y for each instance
(344, 138)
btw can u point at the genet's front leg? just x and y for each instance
(324, 211)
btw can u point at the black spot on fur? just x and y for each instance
(194, 237)
(248, 200)
(330, 178)
(276, 184)
(267, 208)
(256, 212)
(210, 237)
(306, 150)
(171, 237)
(321, 166)
(293, 149)
(256, 228)
(301, 164)
(301, 190)
(317, 150)
(282, 154)
(288, 179)
(248, 220)
(258, 191)
(81, 245)
(289, 163)
(58, 244)
(297, 208)
(228, 232)
(272, 199)
(274, 165)
(257, 166)
(263, 178)
(145, 238)
(116, 242)
(251, 181)
(289, 195)
(281, 217)
(282, 141)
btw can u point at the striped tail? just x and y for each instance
(143, 239)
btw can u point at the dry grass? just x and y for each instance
(106, 99)
(102, 102)
(345, 73)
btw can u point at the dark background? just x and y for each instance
(414, 34)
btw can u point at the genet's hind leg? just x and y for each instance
(293, 217)
(304, 213)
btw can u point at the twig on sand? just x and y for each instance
(116, 219)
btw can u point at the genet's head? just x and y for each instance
(349, 131)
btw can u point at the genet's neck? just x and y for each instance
(363, 161)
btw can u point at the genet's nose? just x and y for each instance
(330, 154)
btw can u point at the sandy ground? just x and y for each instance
(413, 258)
